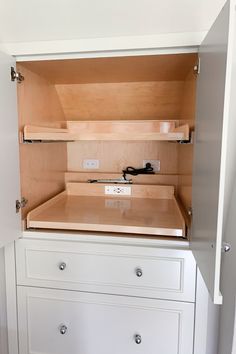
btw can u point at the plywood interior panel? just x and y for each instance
(185, 151)
(124, 88)
(122, 101)
(42, 166)
(173, 67)
(38, 100)
(114, 156)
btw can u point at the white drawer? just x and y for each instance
(62, 322)
(114, 269)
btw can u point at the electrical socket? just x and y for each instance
(118, 190)
(90, 164)
(156, 164)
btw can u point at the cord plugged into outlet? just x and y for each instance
(156, 164)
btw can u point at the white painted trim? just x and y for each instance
(206, 320)
(12, 322)
(110, 44)
(107, 54)
(107, 239)
(3, 320)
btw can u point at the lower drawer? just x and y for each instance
(114, 269)
(68, 322)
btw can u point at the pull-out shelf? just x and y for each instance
(109, 130)
(148, 210)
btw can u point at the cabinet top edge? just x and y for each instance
(87, 237)
(104, 54)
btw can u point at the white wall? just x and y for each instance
(76, 26)
(3, 321)
(50, 20)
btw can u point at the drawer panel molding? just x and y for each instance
(60, 322)
(125, 270)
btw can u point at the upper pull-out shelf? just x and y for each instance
(146, 210)
(109, 130)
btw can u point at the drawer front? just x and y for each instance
(138, 271)
(62, 322)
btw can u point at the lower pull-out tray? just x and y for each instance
(148, 210)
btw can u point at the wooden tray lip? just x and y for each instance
(152, 191)
(63, 225)
(69, 130)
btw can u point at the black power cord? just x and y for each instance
(147, 170)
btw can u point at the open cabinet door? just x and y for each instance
(9, 155)
(212, 128)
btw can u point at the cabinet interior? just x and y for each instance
(154, 87)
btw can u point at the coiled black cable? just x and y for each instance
(148, 169)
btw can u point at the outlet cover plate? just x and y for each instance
(91, 164)
(118, 190)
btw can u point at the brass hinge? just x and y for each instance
(197, 67)
(21, 204)
(16, 76)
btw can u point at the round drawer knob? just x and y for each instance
(139, 272)
(62, 266)
(63, 329)
(138, 339)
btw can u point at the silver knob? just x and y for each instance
(226, 247)
(63, 329)
(62, 266)
(139, 272)
(138, 339)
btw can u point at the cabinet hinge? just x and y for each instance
(190, 211)
(197, 67)
(21, 204)
(16, 76)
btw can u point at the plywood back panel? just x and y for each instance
(42, 165)
(114, 156)
(115, 69)
(134, 100)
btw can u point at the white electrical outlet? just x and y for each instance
(118, 190)
(90, 164)
(156, 164)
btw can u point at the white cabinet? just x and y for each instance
(209, 179)
(83, 312)
(60, 322)
(167, 275)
